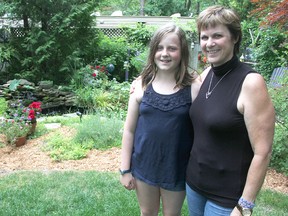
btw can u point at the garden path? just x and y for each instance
(31, 157)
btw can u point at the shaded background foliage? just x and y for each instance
(57, 38)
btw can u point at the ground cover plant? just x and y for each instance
(91, 193)
(89, 132)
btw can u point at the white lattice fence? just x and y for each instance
(112, 32)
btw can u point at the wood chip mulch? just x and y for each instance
(31, 157)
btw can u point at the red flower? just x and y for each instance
(34, 108)
(204, 59)
(35, 105)
(94, 74)
(102, 69)
(97, 67)
(31, 114)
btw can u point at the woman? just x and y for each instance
(157, 135)
(233, 120)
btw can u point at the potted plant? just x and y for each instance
(28, 114)
(33, 110)
(20, 121)
(15, 131)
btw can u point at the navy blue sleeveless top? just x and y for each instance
(163, 138)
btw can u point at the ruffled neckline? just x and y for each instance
(167, 102)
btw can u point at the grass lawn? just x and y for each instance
(90, 193)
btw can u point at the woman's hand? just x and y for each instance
(235, 212)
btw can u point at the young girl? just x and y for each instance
(158, 133)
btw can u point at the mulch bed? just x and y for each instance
(31, 157)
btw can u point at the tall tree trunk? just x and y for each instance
(25, 21)
(188, 4)
(198, 8)
(142, 3)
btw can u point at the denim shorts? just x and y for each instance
(199, 205)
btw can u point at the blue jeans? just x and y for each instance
(199, 205)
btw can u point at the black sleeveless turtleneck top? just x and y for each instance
(221, 152)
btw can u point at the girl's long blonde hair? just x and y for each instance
(182, 77)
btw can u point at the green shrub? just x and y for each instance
(103, 132)
(119, 97)
(100, 94)
(61, 148)
(118, 50)
(93, 132)
(3, 106)
(83, 77)
(85, 99)
(280, 146)
(139, 61)
(139, 34)
(113, 51)
(271, 51)
(64, 41)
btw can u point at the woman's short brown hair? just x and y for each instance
(216, 15)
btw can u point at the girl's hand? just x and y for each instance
(128, 181)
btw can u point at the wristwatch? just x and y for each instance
(122, 172)
(244, 211)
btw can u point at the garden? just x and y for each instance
(68, 164)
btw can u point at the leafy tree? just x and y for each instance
(272, 12)
(151, 7)
(163, 7)
(57, 38)
(128, 7)
(271, 47)
(241, 6)
(159, 8)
